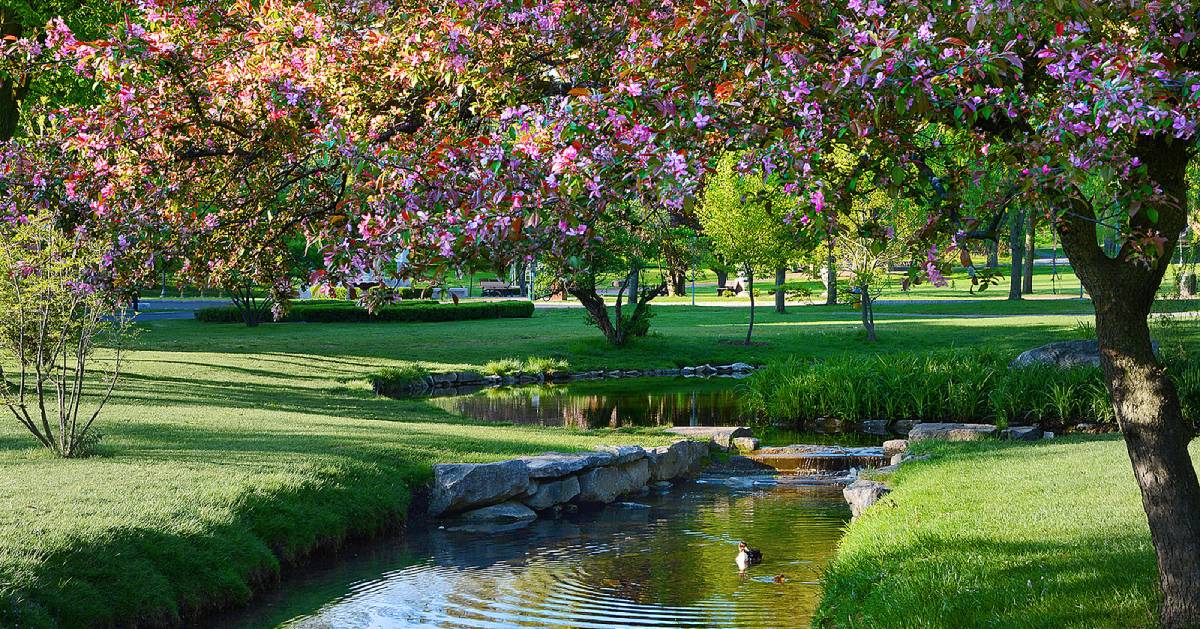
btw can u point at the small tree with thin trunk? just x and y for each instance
(52, 315)
(748, 222)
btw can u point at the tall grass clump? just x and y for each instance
(530, 365)
(975, 385)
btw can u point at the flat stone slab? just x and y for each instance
(862, 494)
(810, 458)
(463, 486)
(623, 454)
(556, 464)
(720, 435)
(1022, 433)
(951, 432)
(504, 513)
(682, 458)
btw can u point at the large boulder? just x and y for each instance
(892, 447)
(504, 513)
(1063, 354)
(553, 493)
(624, 454)
(462, 486)
(745, 444)
(556, 464)
(681, 458)
(862, 494)
(605, 484)
(951, 432)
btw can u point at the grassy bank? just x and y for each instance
(230, 450)
(1001, 535)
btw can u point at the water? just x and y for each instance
(663, 560)
(607, 403)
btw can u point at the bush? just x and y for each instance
(972, 385)
(334, 311)
(531, 365)
(396, 381)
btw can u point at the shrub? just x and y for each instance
(394, 381)
(531, 365)
(972, 385)
(334, 311)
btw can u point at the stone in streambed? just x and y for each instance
(862, 494)
(680, 459)
(504, 513)
(951, 431)
(605, 484)
(553, 493)
(462, 486)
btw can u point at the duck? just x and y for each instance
(747, 556)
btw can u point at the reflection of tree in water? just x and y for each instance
(563, 406)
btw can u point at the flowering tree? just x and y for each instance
(496, 129)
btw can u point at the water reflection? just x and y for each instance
(607, 404)
(666, 561)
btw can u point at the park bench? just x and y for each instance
(495, 288)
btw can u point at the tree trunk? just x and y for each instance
(1016, 241)
(1144, 399)
(722, 276)
(831, 295)
(1030, 252)
(993, 254)
(868, 312)
(11, 90)
(750, 288)
(634, 277)
(780, 294)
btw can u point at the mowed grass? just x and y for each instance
(1001, 535)
(231, 451)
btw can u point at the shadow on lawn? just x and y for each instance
(974, 581)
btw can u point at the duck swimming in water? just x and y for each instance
(747, 556)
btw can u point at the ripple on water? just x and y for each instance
(668, 565)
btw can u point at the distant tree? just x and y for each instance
(752, 223)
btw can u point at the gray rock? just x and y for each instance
(668, 372)
(503, 513)
(680, 459)
(493, 380)
(443, 379)
(604, 484)
(616, 373)
(742, 367)
(687, 371)
(951, 432)
(897, 458)
(895, 446)
(468, 377)
(1022, 433)
(1048, 435)
(555, 464)
(721, 435)
(1063, 354)
(623, 454)
(745, 444)
(862, 494)
(462, 486)
(553, 493)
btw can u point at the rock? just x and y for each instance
(1047, 435)
(662, 484)
(721, 435)
(493, 380)
(682, 458)
(951, 432)
(553, 493)
(897, 458)
(892, 447)
(1085, 427)
(616, 373)
(688, 371)
(1021, 433)
(745, 444)
(604, 484)
(503, 513)
(468, 377)
(443, 379)
(888, 469)
(742, 367)
(462, 486)
(862, 494)
(556, 464)
(1063, 354)
(623, 454)
(668, 372)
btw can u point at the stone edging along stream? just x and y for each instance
(473, 379)
(519, 490)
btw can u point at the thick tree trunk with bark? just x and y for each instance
(780, 294)
(1030, 252)
(617, 328)
(1144, 398)
(831, 295)
(1016, 242)
(993, 254)
(11, 91)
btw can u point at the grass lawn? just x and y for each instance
(230, 450)
(1001, 535)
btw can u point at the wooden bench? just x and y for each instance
(494, 288)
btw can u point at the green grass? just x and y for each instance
(229, 451)
(1001, 535)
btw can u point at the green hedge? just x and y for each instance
(329, 311)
